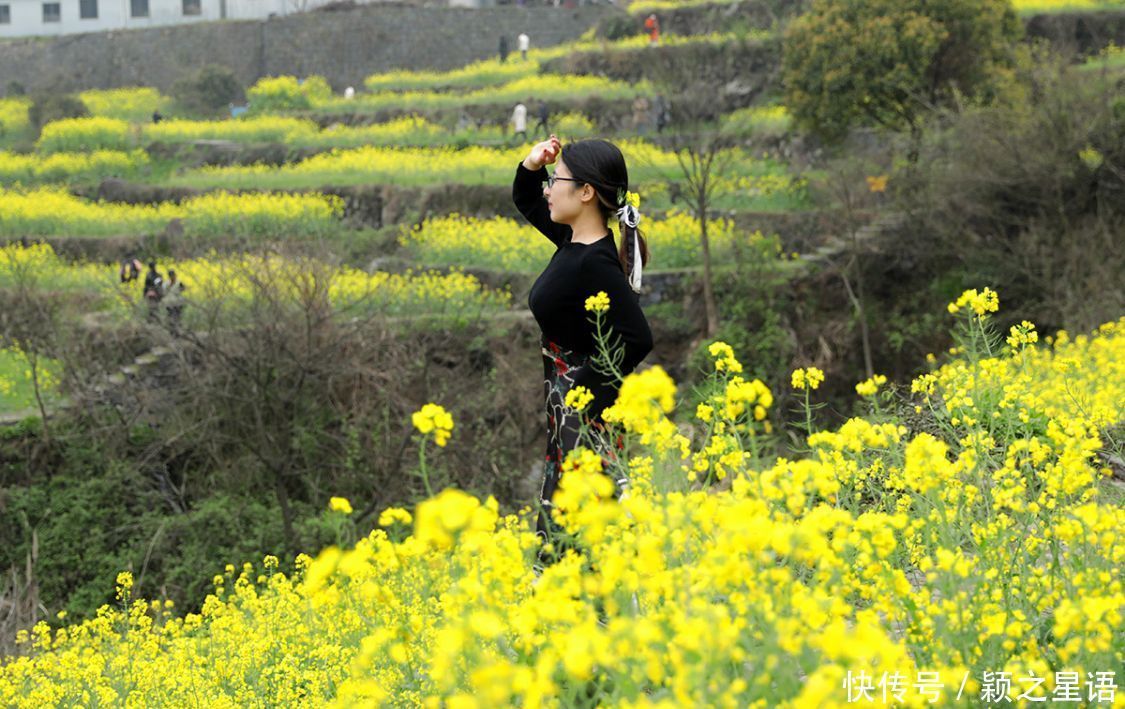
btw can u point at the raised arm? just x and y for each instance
(527, 193)
(527, 190)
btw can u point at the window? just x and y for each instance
(5, 14)
(88, 9)
(193, 7)
(138, 8)
(52, 12)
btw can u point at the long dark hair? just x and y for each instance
(600, 164)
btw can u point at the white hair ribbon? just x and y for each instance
(635, 276)
(630, 217)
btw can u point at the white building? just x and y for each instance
(25, 18)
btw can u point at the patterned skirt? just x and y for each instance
(563, 436)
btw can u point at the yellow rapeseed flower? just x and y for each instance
(868, 387)
(579, 398)
(394, 515)
(724, 358)
(340, 504)
(598, 303)
(1022, 335)
(433, 418)
(809, 378)
(986, 301)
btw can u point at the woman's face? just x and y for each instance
(566, 198)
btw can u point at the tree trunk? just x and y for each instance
(33, 365)
(286, 511)
(708, 281)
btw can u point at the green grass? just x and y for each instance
(17, 390)
(1111, 59)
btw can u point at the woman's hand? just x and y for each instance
(544, 153)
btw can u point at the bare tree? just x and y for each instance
(703, 155)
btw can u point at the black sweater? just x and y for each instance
(577, 271)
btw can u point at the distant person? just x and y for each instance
(349, 93)
(130, 270)
(544, 116)
(519, 120)
(153, 290)
(157, 116)
(652, 24)
(524, 44)
(173, 298)
(503, 49)
(640, 114)
(660, 112)
(464, 122)
(236, 111)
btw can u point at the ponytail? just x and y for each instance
(633, 252)
(633, 247)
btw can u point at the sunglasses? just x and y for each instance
(552, 179)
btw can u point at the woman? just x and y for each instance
(572, 208)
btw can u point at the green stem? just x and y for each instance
(422, 468)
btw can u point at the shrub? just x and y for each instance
(281, 93)
(884, 62)
(54, 107)
(210, 89)
(84, 134)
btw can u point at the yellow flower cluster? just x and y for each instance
(51, 211)
(725, 360)
(13, 115)
(579, 398)
(506, 244)
(1019, 336)
(598, 303)
(583, 500)
(394, 515)
(228, 281)
(1031, 7)
(486, 72)
(86, 134)
(642, 405)
(879, 553)
(37, 267)
(493, 72)
(756, 119)
(433, 418)
(560, 87)
(809, 378)
(99, 133)
(134, 104)
(987, 301)
(771, 190)
(281, 93)
(742, 396)
(124, 585)
(252, 129)
(869, 387)
(439, 521)
(877, 183)
(428, 165)
(16, 168)
(17, 380)
(340, 504)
